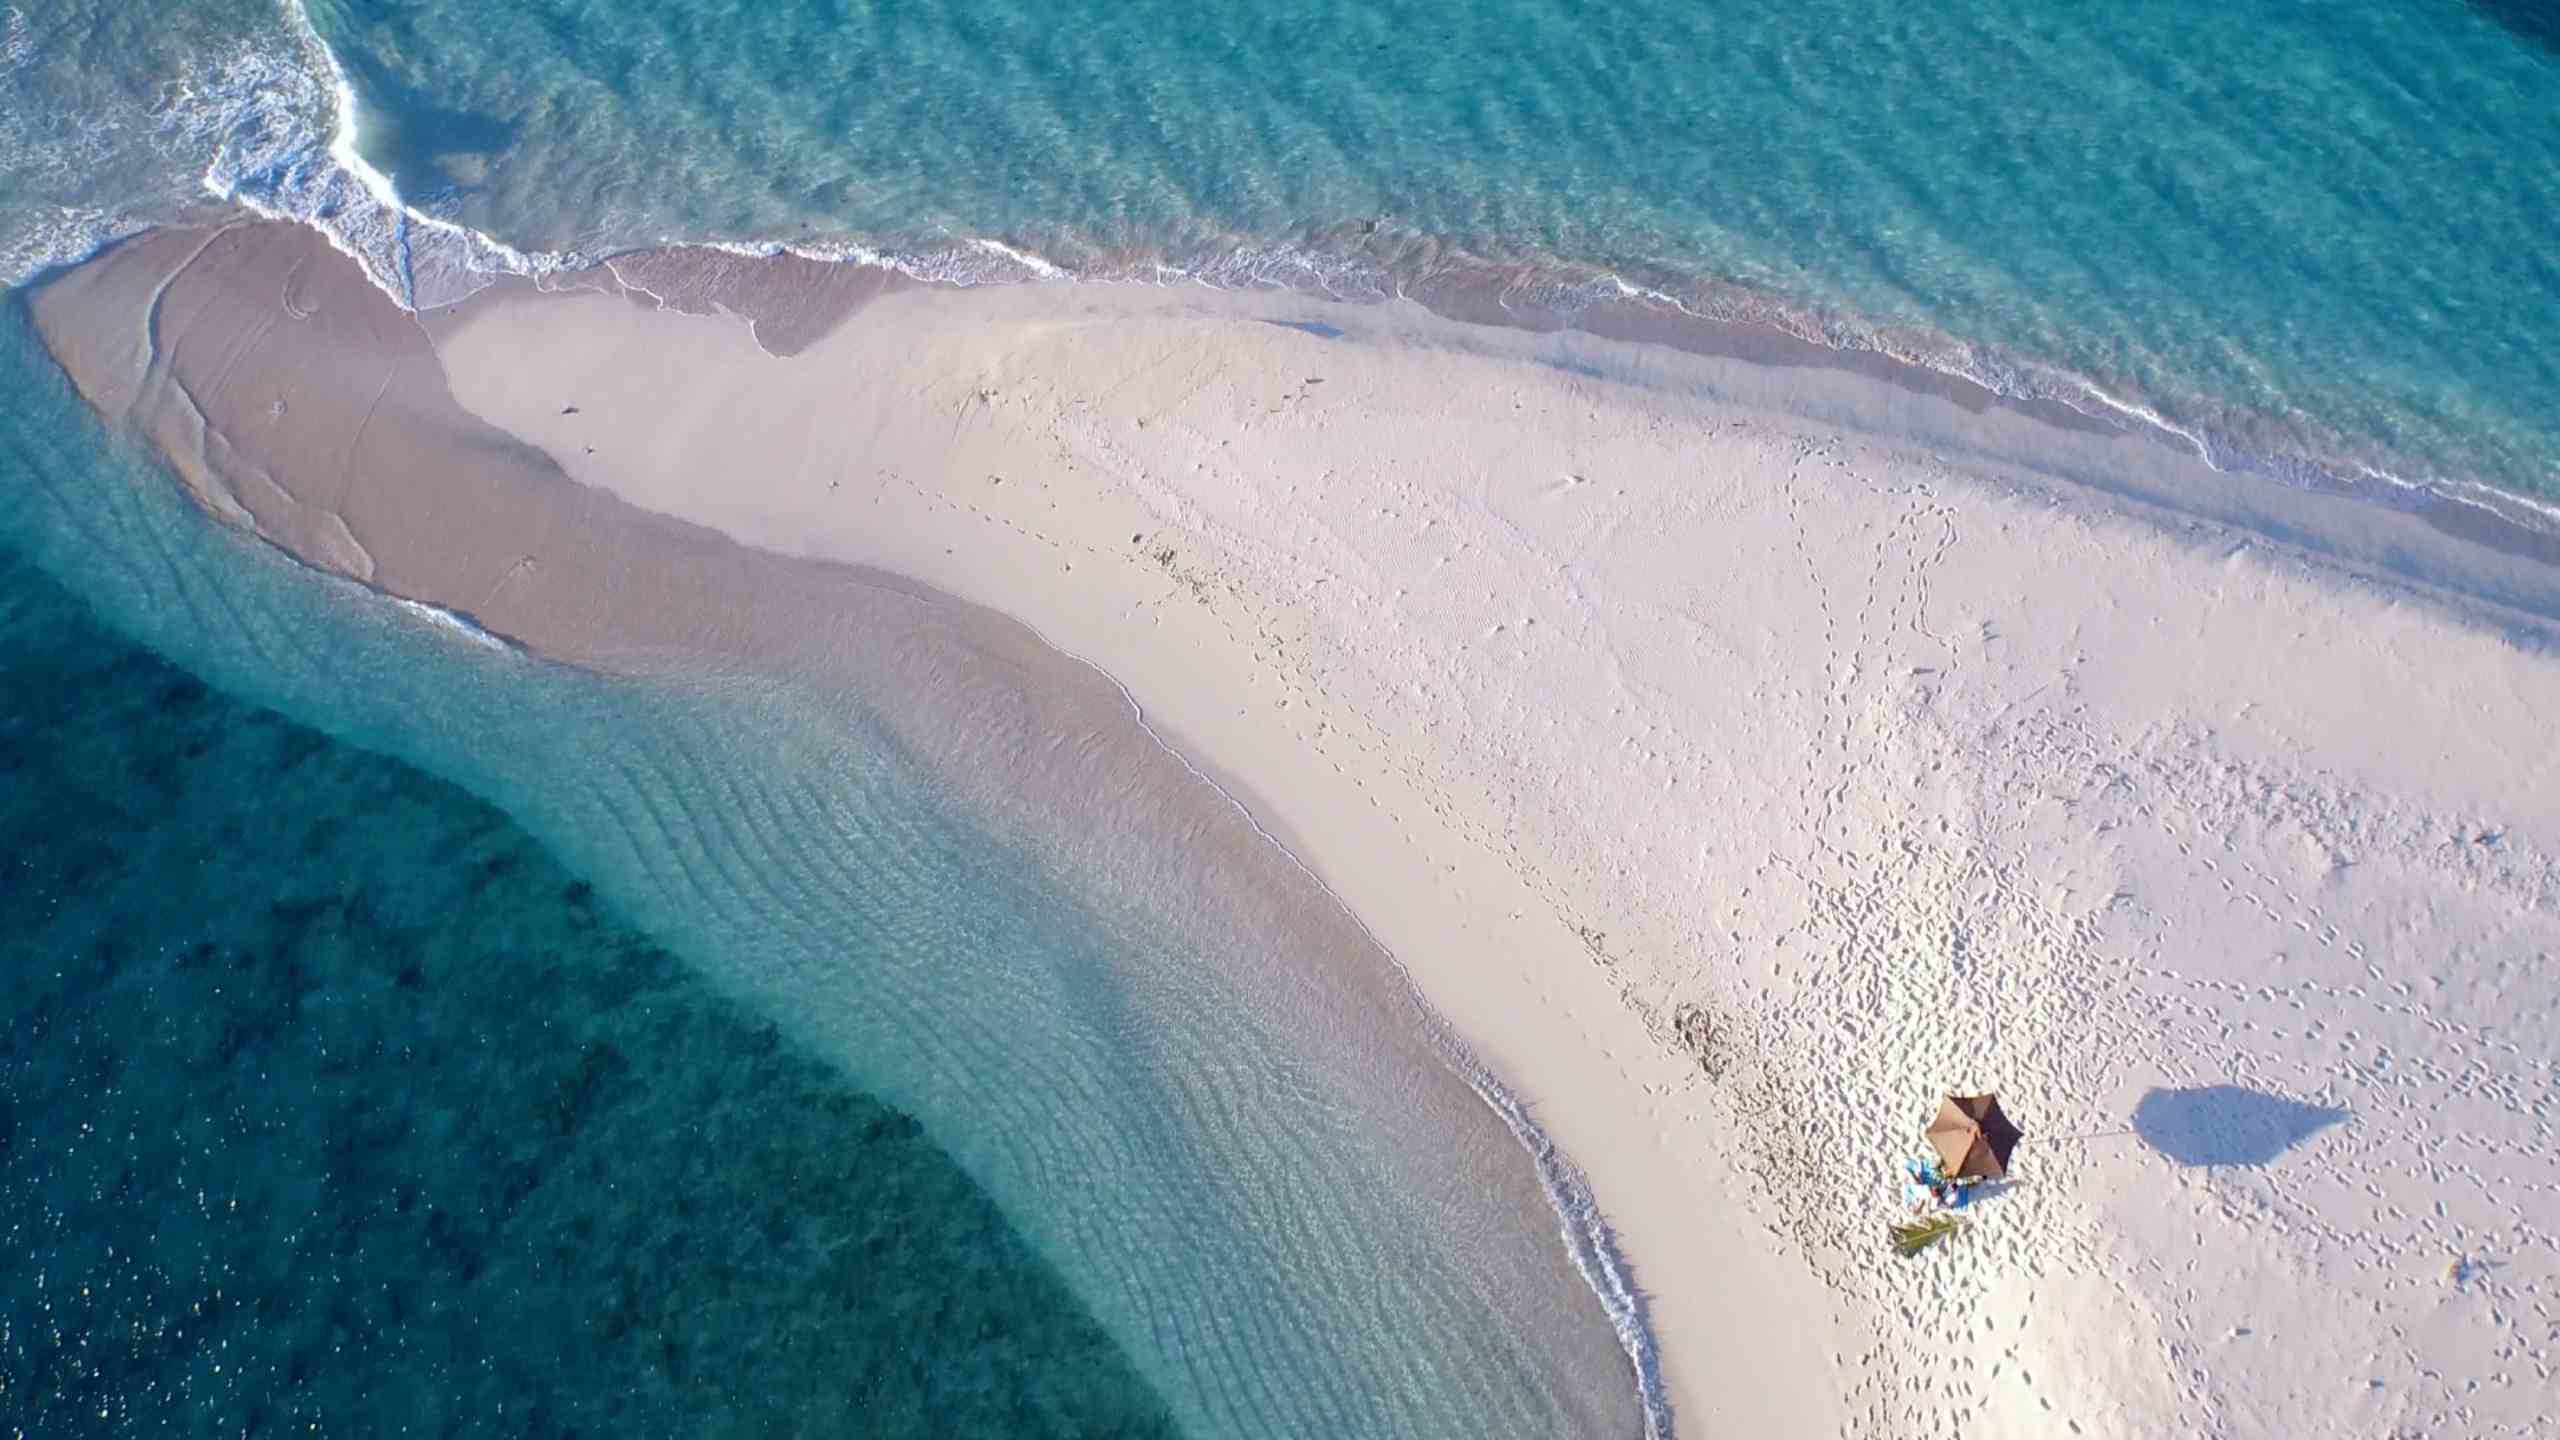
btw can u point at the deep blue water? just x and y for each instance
(2316, 228)
(330, 1103)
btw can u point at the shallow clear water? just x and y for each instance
(2321, 227)
(1282, 1233)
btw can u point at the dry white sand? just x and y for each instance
(1740, 757)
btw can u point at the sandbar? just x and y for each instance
(1736, 755)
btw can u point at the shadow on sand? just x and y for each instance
(2227, 1125)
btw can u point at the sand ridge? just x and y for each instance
(1740, 756)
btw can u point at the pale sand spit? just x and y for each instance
(1739, 757)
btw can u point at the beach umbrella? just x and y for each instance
(1972, 1138)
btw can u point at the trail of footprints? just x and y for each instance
(1906, 930)
(2427, 1078)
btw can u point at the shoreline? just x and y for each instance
(1493, 765)
(809, 294)
(295, 152)
(1358, 264)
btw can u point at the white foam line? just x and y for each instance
(2132, 411)
(345, 153)
(450, 622)
(1024, 258)
(2078, 392)
(2471, 493)
(627, 283)
(327, 184)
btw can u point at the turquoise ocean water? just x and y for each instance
(2287, 228)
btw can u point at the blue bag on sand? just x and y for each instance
(1925, 1187)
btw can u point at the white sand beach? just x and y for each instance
(1740, 756)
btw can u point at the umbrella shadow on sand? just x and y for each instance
(2227, 1124)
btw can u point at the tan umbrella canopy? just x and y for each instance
(1972, 1138)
